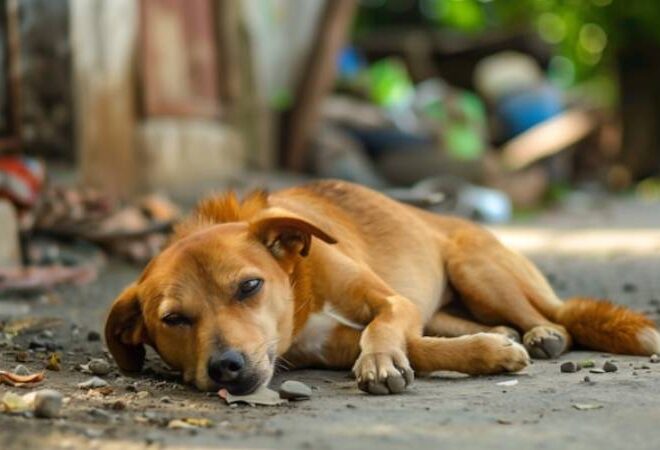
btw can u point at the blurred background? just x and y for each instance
(116, 115)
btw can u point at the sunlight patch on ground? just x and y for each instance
(594, 241)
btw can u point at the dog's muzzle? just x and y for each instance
(231, 370)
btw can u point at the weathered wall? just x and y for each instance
(46, 106)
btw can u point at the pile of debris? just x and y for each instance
(54, 234)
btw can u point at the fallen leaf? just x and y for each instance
(586, 406)
(53, 362)
(262, 396)
(190, 422)
(14, 403)
(198, 422)
(15, 380)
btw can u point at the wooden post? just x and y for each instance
(12, 141)
(318, 77)
(104, 42)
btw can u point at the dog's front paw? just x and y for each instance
(383, 373)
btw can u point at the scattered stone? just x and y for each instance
(596, 371)
(295, 390)
(587, 379)
(610, 367)
(21, 370)
(93, 336)
(53, 362)
(629, 287)
(22, 356)
(165, 399)
(93, 383)
(587, 364)
(142, 394)
(46, 334)
(100, 414)
(99, 366)
(655, 359)
(47, 403)
(40, 344)
(569, 367)
(118, 405)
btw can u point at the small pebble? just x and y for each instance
(654, 359)
(142, 394)
(22, 356)
(569, 367)
(587, 379)
(93, 336)
(47, 403)
(610, 367)
(295, 390)
(99, 366)
(596, 371)
(21, 370)
(118, 405)
(166, 399)
(93, 383)
(629, 287)
(100, 414)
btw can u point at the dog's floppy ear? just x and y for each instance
(125, 331)
(287, 235)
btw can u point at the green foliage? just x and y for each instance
(587, 34)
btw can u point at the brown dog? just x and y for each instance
(335, 275)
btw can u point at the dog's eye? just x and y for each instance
(175, 320)
(248, 288)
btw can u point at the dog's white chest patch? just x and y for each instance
(318, 328)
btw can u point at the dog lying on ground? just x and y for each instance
(334, 275)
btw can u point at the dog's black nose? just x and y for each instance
(226, 366)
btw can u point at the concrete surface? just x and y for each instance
(444, 411)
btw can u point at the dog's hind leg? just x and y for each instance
(499, 287)
(445, 324)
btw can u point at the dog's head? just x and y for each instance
(217, 304)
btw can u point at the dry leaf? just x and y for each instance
(586, 406)
(262, 396)
(15, 380)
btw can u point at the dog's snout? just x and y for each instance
(226, 366)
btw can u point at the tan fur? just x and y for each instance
(600, 325)
(371, 274)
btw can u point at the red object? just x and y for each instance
(21, 179)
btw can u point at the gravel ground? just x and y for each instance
(544, 409)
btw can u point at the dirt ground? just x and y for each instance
(614, 253)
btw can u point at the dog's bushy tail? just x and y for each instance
(603, 326)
